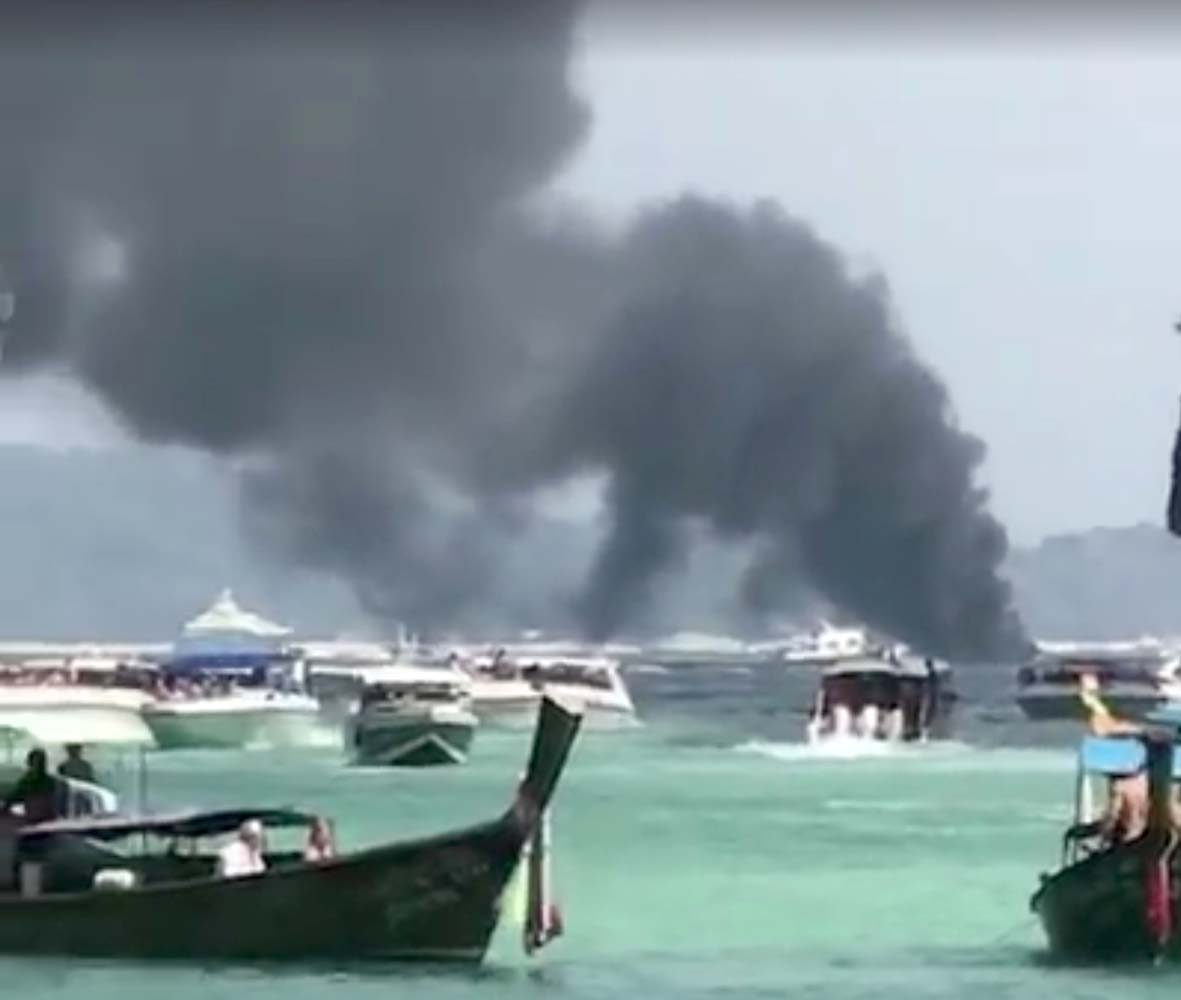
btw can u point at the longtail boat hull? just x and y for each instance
(436, 899)
(1094, 911)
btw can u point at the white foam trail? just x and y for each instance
(847, 749)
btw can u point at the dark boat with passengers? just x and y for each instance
(70, 890)
(1114, 897)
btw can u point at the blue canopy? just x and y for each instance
(225, 663)
(1117, 756)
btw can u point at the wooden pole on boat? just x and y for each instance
(1158, 843)
(543, 921)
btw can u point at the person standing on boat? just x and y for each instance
(75, 765)
(242, 855)
(38, 791)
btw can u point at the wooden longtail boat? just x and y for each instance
(437, 898)
(1117, 902)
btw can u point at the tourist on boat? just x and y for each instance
(1126, 816)
(319, 846)
(37, 791)
(75, 765)
(242, 855)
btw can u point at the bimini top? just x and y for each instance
(180, 824)
(1117, 756)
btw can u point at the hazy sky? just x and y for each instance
(1019, 201)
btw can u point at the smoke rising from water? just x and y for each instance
(319, 246)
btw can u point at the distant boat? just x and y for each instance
(79, 700)
(230, 683)
(689, 648)
(412, 717)
(507, 691)
(828, 645)
(892, 697)
(1133, 678)
(438, 898)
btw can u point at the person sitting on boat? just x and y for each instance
(37, 791)
(75, 765)
(319, 846)
(242, 855)
(1126, 816)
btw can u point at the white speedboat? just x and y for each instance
(828, 645)
(894, 697)
(412, 717)
(508, 692)
(1132, 678)
(87, 700)
(230, 683)
(236, 718)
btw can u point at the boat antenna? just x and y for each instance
(1173, 512)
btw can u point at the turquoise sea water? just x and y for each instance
(704, 855)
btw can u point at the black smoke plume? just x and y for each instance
(315, 240)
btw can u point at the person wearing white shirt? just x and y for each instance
(242, 855)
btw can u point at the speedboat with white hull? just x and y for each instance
(232, 701)
(1133, 678)
(507, 692)
(412, 717)
(828, 645)
(895, 697)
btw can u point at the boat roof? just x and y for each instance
(179, 824)
(226, 617)
(224, 662)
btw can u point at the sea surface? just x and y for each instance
(707, 854)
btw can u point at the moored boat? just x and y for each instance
(437, 898)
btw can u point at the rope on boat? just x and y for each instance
(1022, 925)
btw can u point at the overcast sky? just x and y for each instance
(1020, 202)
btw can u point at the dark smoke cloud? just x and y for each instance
(314, 243)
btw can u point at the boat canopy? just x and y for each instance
(862, 666)
(1117, 756)
(226, 617)
(180, 824)
(241, 664)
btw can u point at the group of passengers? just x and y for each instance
(41, 795)
(245, 854)
(170, 688)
